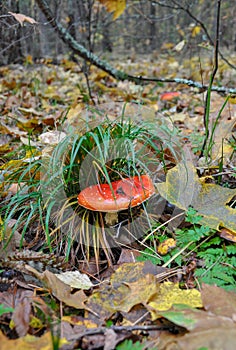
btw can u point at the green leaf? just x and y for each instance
(5, 310)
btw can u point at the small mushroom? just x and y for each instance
(119, 195)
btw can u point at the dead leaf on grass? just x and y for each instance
(59, 289)
(183, 188)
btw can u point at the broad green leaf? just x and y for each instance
(5, 310)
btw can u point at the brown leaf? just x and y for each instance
(22, 18)
(10, 299)
(227, 234)
(219, 301)
(130, 272)
(212, 339)
(140, 292)
(128, 256)
(21, 317)
(59, 289)
(62, 291)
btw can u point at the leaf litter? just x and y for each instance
(132, 294)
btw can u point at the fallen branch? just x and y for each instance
(103, 330)
(105, 66)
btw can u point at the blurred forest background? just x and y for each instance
(178, 28)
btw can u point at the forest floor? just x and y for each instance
(172, 286)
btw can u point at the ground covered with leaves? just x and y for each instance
(156, 275)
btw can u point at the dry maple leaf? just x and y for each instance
(22, 18)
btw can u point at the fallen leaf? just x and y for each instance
(130, 272)
(205, 330)
(139, 292)
(59, 289)
(227, 234)
(165, 246)
(30, 342)
(168, 294)
(195, 30)
(209, 338)
(179, 47)
(80, 321)
(106, 301)
(75, 279)
(130, 284)
(183, 188)
(128, 256)
(219, 301)
(52, 137)
(222, 133)
(21, 316)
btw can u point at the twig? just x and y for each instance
(208, 100)
(106, 67)
(103, 330)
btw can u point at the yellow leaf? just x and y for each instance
(195, 31)
(115, 6)
(166, 246)
(169, 294)
(232, 99)
(30, 342)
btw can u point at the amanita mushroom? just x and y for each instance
(119, 195)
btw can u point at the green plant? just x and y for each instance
(48, 184)
(215, 256)
(5, 310)
(22, 172)
(129, 345)
(105, 153)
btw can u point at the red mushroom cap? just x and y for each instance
(119, 195)
(169, 96)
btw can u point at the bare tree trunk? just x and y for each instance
(152, 26)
